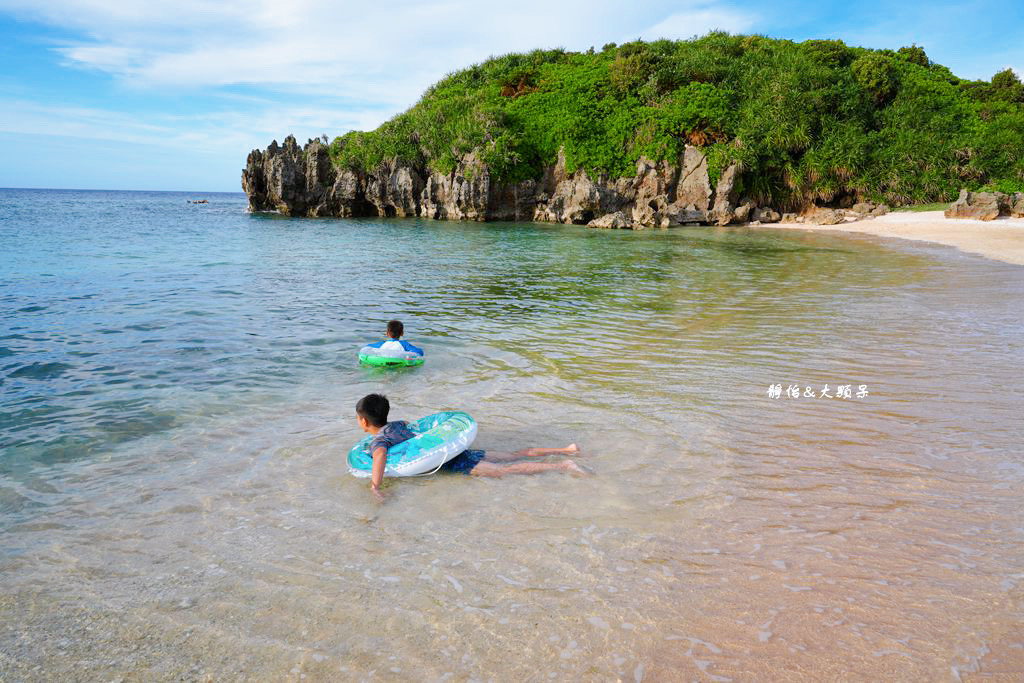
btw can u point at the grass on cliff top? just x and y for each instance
(809, 122)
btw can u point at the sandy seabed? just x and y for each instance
(1000, 240)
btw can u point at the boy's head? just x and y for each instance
(395, 329)
(372, 411)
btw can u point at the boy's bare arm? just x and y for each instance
(380, 458)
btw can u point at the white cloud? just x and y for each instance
(102, 57)
(383, 52)
(212, 131)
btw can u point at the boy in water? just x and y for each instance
(394, 341)
(372, 414)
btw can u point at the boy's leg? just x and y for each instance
(498, 456)
(571, 449)
(490, 469)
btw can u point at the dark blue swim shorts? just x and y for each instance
(464, 462)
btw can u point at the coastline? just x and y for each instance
(1000, 240)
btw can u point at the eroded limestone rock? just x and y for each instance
(615, 220)
(349, 196)
(741, 214)
(463, 194)
(654, 183)
(765, 215)
(1016, 205)
(725, 196)
(394, 189)
(983, 206)
(693, 191)
(820, 216)
(275, 179)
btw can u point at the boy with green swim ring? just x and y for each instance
(394, 340)
(372, 414)
(393, 351)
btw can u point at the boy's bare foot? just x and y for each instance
(572, 449)
(575, 470)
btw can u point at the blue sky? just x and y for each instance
(123, 94)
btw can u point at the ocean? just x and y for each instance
(805, 450)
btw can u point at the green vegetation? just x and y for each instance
(809, 122)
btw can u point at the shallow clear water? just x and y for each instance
(177, 384)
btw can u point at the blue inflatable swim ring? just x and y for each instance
(439, 438)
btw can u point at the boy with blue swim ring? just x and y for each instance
(372, 415)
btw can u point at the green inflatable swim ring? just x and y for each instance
(391, 354)
(388, 361)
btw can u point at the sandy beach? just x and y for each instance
(1000, 240)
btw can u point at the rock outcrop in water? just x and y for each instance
(302, 181)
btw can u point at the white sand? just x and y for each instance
(1001, 239)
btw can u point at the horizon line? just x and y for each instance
(87, 189)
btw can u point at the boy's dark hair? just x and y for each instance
(374, 409)
(395, 329)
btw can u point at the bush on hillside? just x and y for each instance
(914, 55)
(831, 53)
(877, 74)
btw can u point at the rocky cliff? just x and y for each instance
(303, 182)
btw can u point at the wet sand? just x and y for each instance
(1000, 240)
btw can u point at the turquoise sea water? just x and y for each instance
(176, 391)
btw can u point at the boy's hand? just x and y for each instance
(378, 495)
